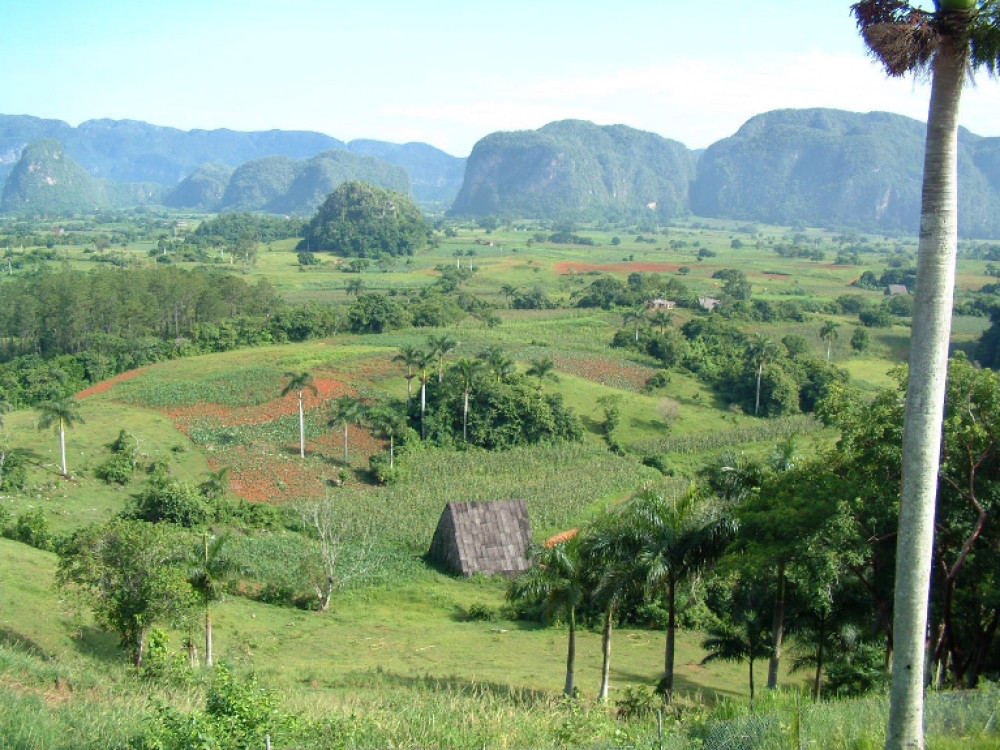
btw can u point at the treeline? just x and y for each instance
(752, 373)
(61, 331)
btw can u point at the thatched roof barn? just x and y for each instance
(483, 537)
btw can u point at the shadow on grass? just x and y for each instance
(496, 691)
(97, 644)
(13, 639)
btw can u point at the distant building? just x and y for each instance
(661, 304)
(896, 289)
(708, 303)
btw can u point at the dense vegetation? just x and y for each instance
(364, 221)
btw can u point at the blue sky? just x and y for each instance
(448, 72)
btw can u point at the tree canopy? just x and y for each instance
(361, 220)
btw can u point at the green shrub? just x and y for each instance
(117, 469)
(31, 527)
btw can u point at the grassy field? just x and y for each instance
(400, 657)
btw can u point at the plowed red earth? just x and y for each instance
(572, 266)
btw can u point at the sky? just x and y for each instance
(449, 72)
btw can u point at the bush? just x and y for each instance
(117, 469)
(171, 501)
(14, 474)
(31, 527)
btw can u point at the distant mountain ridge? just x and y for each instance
(821, 167)
(831, 167)
(130, 151)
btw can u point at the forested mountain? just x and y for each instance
(829, 167)
(576, 169)
(131, 151)
(279, 184)
(46, 180)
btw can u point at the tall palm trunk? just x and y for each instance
(777, 631)
(208, 635)
(302, 429)
(925, 395)
(423, 404)
(667, 683)
(571, 654)
(465, 418)
(756, 403)
(62, 447)
(609, 619)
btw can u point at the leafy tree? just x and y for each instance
(300, 382)
(61, 414)
(131, 574)
(958, 36)
(361, 220)
(559, 578)
(860, 340)
(375, 313)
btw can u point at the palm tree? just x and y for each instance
(208, 579)
(468, 370)
(760, 351)
(742, 635)
(410, 356)
(216, 484)
(62, 414)
(661, 319)
(354, 286)
(424, 361)
(828, 333)
(610, 550)
(508, 291)
(388, 424)
(497, 361)
(441, 346)
(677, 537)
(344, 412)
(543, 370)
(637, 316)
(300, 382)
(959, 36)
(559, 577)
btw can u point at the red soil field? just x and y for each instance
(571, 266)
